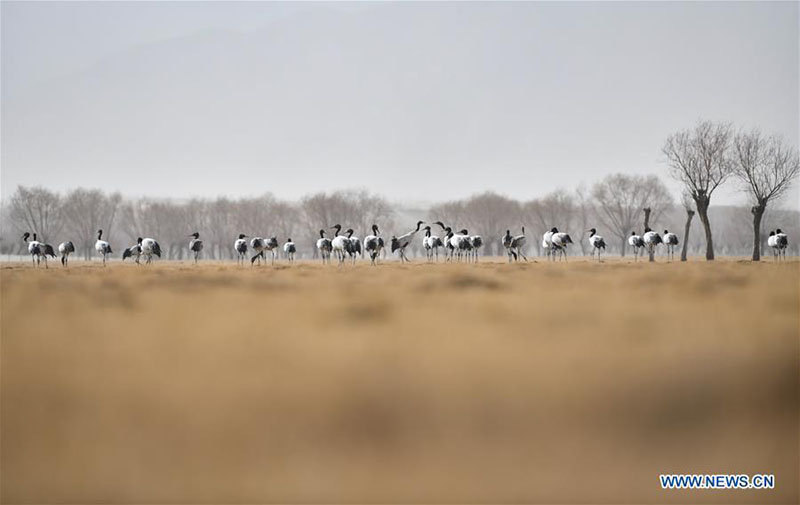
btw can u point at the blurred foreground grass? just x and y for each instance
(537, 382)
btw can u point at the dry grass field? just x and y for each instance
(534, 382)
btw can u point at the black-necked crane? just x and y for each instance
(506, 240)
(271, 245)
(257, 244)
(38, 250)
(560, 242)
(431, 244)
(195, 245)
(449, 249)
(66, 248)
(324, 247)
(461, 243)
(355, 249)
(373, 244)
(150, 248)
(518, 246)
(772, 241)
(103, 247)
(134, 251)
(400, 243)
(670, 240)
(289, 249)
(476, 241)
(637, 243)
(597, 242)
(651, 240)
(340, 244)
(779, 242)
(240, 246)
(783, 242)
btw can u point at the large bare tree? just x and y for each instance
(687, 202)
(86, 211)
(620, 198)
(700, 159)
(37, 210)
(766, 166)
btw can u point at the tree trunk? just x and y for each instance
(646, 226)
(758, 213)
(689, 216)
(622, 246)
(702, 209)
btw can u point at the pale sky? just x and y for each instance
(416, 101)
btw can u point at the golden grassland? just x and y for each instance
(567, 382)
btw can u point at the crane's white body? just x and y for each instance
(196, 245)
(651, 239)
(324, 247)
(373, 244)
(400, 243)
(289, 249)
(547, 243)
(560, 241)
(102, 247)
(65, 249)
(597, 242)
(150, 248)
(637, 243)
(670, 241)
(240, 247)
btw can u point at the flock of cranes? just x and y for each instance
(455, 246)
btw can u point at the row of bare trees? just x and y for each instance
(704, 157)
(615, 205)
(78, 215)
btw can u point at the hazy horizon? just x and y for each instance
(420, 102)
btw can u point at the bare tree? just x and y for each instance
(766, 166)
(620, 197)
(86, 211)
(37, 210)
(357, 209)
(699, 158)
(686, 200)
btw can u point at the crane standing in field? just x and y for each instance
(340, 244)
(134, 251)
(636, 242)
(66, 248)
(289, 249)
(670, 240)
(355, 249)
(257, 244)
(431, 244)
(195, 245)
(400, 243)
(324, 247)
(240, 246)
(476, 242)
(373, 244)
(38, 250)
(271, 245)
(150, 248)
(651, 239)
(103, 247)
(783, 242)
(560, 241)
(596, 242)
(518, 245)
